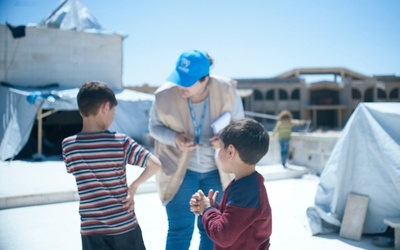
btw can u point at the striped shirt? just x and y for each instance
(98, 162)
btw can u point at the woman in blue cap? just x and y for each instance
(180, 122)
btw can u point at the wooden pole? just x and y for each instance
(40, 131)
(39, 116)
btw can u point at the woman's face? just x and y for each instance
(196, 89)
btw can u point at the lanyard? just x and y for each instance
(197, 127)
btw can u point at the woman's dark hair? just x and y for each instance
(211, 63)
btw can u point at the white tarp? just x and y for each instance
(18, 109)
(364, 161)
(72, 15)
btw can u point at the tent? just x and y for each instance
(19, 107)
(73, 15)
(364, 161)
(44, 66)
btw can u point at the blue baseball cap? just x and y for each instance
(190, 67)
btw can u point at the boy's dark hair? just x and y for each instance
(92, 95)
(249, 137)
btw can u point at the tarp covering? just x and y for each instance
(71, 15)
(364, 161)
(18, 109)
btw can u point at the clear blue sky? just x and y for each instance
(247, 39)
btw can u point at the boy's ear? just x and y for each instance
(231, 150)
(105, 107)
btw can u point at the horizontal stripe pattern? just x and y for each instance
(98, 163)
(284, 129)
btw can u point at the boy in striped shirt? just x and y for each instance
(97, 158)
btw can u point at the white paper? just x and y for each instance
(221, 122)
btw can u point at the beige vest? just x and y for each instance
(174, 112)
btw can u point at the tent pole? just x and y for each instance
(40, 115)
(40, 131)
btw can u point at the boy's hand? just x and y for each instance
(128, 202)
(199, 202)
(194, 202)
(212, 196)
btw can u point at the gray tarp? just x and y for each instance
(365, 161)
(18, 115)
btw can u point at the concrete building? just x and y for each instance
(327, 103)
(41, 56)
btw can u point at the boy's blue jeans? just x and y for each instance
(284, 143)
(180, 219)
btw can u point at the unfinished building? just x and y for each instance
(327, 102)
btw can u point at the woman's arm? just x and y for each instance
(158, 130)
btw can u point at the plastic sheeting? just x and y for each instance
(18, 109)
(364, 161)
(73, 15)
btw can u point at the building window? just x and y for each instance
(283, 95)
(355, 94)
(369, 95)
(270, 95)
(257, 95)
(381, 94)
(296, 114)
(324, 97)
(296, 94)
(394, 94)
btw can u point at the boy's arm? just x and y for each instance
(241, 210)
(153, 165)
(233, 222)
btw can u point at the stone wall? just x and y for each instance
(311, 150)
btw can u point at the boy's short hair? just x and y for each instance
(92, 95)
(249, 137)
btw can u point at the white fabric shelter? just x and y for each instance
(19, 108)
(364, 161)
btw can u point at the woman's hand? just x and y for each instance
(184, 142)
(215, 142)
